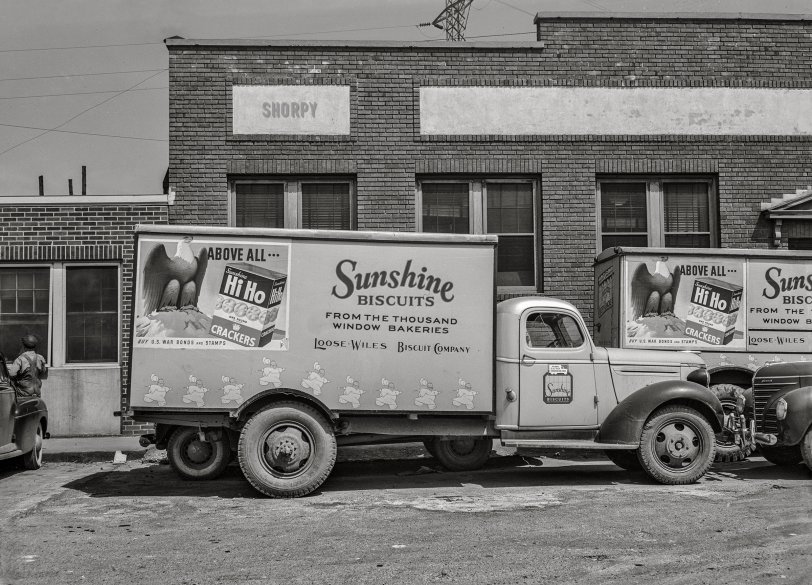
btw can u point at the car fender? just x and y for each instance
(624, 424)
(30, 414)
(792, 429)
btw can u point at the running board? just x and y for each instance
(566, 444)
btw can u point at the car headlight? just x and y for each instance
(699, 376)
(781, 409)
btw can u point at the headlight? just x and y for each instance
(700, 377)
(781, 409)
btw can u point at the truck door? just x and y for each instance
(556, 374)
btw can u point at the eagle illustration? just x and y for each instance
(654, 294)
(173, 283)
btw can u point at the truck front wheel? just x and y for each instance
(781, 455)
(287, 450)
(462, 453)
(198, 455)
(677, 445)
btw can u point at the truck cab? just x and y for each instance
(556, 389)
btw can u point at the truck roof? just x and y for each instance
(519, 305)
(716, 252)
(357, 236)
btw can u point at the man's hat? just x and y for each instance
(30, 341)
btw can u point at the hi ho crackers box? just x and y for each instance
(248, 304)
(713, 311)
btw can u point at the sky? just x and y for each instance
(84, 82)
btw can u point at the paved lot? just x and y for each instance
(519, 520)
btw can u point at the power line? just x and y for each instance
(22, 97)
(86, 133)
(530, 32)
(81, 74)
(340, 30)
(515, 8)
(79, 114)
(80, 47)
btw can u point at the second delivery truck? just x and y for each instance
(281, 345)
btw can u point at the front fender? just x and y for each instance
(30, 414)
(625, 423)
(792, 429)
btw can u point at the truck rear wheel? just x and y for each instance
(198, 459)
(727, 450)
(287, 450)
(781, 455)
(462, 453)
(624, 459)
(677, 445)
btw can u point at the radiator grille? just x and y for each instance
(764, 417)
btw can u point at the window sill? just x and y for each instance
(88, 366)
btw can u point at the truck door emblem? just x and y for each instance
(557, 385)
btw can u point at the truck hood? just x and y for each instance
(653, 357)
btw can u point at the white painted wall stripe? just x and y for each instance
(291, 109)
(610, 111)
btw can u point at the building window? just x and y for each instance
(800, 243)
(293, 204)
(24, 308)
(502, 207)
(658, 212)
(91, 314)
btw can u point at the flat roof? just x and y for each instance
(451, 45)
(564, 15)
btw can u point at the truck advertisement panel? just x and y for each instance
(779, 310)
(723, 304)
(360, 325)
(685, 302)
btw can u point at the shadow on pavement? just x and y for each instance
(500, 472)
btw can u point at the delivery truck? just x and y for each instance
(739, 309)
(278, 346)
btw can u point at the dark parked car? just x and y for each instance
(782, 396)
(23, 423)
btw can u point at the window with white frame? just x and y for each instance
(307, 204)
(667, 212)
(73, 309)
(502, 207)
(91, 314)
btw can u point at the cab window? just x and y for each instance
(553, 330)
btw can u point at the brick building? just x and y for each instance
(66, 274)
(638, 130)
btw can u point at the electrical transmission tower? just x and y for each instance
(453, 19)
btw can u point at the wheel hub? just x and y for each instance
(287, 449)
(199, 451)
(677, 445)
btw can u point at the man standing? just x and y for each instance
(29, 368)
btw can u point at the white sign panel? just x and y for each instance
(291, 109)
(608, 111)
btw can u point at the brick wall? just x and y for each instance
(386, 154)
(63, 233)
